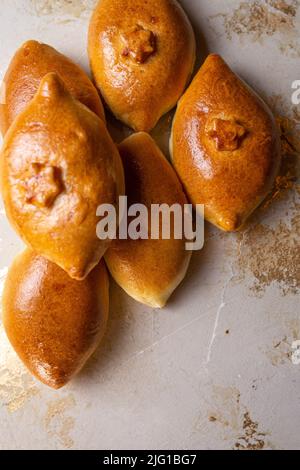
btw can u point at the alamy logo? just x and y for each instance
(296, 94)
(160, 221)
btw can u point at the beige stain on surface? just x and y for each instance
(233, 416)
(17, 387)
(271, 256)
(251, 438)
(227, 408)
(264, 18)
(72, 8)
(57, 422)
(281, 352)
(288, 121)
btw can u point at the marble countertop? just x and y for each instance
(216, 368)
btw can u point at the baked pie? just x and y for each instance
(53, 322)
(149, 270)
(58, 164)
(225, 145)
(142, 55)
(29, 65)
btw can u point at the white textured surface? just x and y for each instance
(175, 378)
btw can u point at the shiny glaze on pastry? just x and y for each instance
(142, 55)
(148, 270)
(58, 164)
(29, 65)
(224, 145)
(53, 322)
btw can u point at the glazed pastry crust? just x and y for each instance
(29, 65)
(58, 164)
(142, 55)
(148, 270)
(224, 145)
(53, 322)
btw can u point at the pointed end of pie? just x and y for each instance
(29, 46)
(215, 62)
(55, 384)
(216, 58)
(229, 222)
(51, 86)
(53, 376)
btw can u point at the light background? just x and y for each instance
(213, 370)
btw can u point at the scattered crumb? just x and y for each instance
(251, 439)
(262, 18)
(73, 9)
(281, 351)
(17, 386)
(57, 424)
(288, 120)
(229, 412)
(271, 256)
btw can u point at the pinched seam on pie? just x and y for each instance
(227, 134)
(139, 44)
(43, 185)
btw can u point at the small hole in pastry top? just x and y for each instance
(227, 134)
(43, 185)
(139, 44)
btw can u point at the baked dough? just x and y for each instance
(53, 322)
(142, 55)
(29, 65)
(58, 164)
(148, 270)
(224, 145)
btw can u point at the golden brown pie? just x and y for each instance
(224, 145)
(142, 55)
(58, 164)
(54, 322)
(149, 270)
(29, 65)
